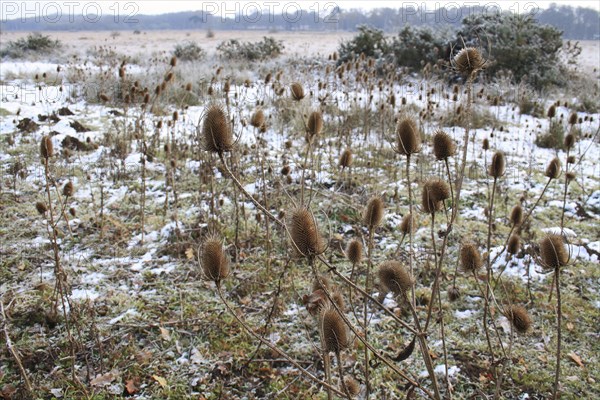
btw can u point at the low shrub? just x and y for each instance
(235, 49)
(189, 51)
(34, 43)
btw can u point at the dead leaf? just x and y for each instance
(103, 380)
(570, 326)
(161, 381)
(189, 253)
(576, 359)
(131, 386)
(164, 333)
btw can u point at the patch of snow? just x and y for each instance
(131, 311)
(464, 314)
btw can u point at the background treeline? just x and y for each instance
(575, 22)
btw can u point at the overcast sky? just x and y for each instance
(19, 9)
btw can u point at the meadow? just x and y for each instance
(295, 227)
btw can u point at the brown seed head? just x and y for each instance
(315, 123)
(333, 331)
(453, 293)
(516, 215)
(553, 252)
(352, 385)
(173, 61)
(570, 176)
(553, 168)
(373, 213)
(394, 277)
(408, 224)
(514, 244)
(486, 144)
(443, 145)
(569, 141)
(258, 118)
(68, 189)
(354, 251)
(571, 160)
(216, 130)
(573, 118)
(435, 191)
(470, 258)
(214, 261)
(346, 159)
(498, 165)
(46, 147)
(41, 207)
(297, 91)
(408, 137)
(552, 111)
(305, 234)
(519, 318)
(468, 60)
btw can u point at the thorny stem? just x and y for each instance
(365, 309)
(410, 237)
(12, 350)
(273, 347)
(341, 373)
(486, 309)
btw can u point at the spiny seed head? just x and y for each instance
(346, 159)
(46, 147)
(470, 258)
(553, 168)
(468, 60)
(443, 145)
(498, 165)
(516, 215)
(519, 318)
(394, 277)
(352, 385)
(408, 224)
(570, 176)
(486, 144)
(453, 293)
(41, 207)
(315, 123)
(338, 299)
(373, 213)
(553, 252)
(514, 244)
(297, 91)
(569, 141)
(173, 61)
(258, 118)
(216, 130)
(571, 160)
(215, 263)
(435, 191)
(68, 189)
(552, 111)
(408, 137)
(333, 331)
(573, 118)
(305, 234)
(354, 251)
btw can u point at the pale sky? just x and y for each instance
(17, 9)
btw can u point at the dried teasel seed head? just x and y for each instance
(570, 176)
(516, 215)
(346, 159)
(373, 213)
(175, 115)
(486, 144)
(470, 258)
(258, 118)
(498, 165)
(571, 160)
(215, 263)
(285, 170)
(333, 331)
(173, 61)
(408, 137)
(297, 91)
(304, 233)
(552, 111)
(73, 212)
(569, 141)
(354, 251)
(553, 168)
(519, 318)
(468, 60)
(394, 277)
(352, 386)
(325, 281)
(46, 147)
(188, 87)
(315, 123)
(68, 189)
(104, 98)
(573, 118)
(216, 130)
(553, 252)
(514, 244)
(435, 191)
(339, 301)
(453, 293)
(408, 224)
(443, 145)
(41, 207)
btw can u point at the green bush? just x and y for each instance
(417, 46)
(189, 51)
(33, 43)
(369, 41)
(266, 48)
(516, 43)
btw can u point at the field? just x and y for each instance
(180, 229)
